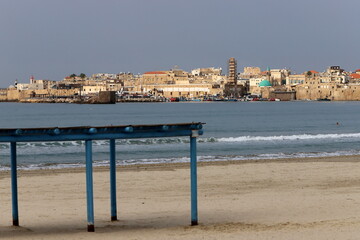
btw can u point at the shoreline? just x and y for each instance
(181, 165)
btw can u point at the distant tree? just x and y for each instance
(82, 75)
(309, 73)
(73, 75)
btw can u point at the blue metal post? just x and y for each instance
(193, 171)
(14, 188)
(89, 186)
(113, 180)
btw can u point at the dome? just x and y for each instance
(265, 83)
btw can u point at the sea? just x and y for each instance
(232, 131)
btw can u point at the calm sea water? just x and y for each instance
(233, 130)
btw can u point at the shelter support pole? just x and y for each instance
(14, 187)
(193, 173)
(113, 180)
(89, 186)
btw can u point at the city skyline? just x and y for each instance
(51, 40)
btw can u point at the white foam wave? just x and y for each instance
(186, 159)
(290, 137)
(62, 145)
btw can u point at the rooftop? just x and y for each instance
(156, 72)
(355, 75)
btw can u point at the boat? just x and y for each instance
(174, 99)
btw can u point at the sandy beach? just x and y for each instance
(314, 198)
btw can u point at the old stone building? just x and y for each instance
(295, 79)
(354, 78)
(206, 71)
(333, 84)
(333, 74)
(251, 71)
(163, 77)
(277, 77)
(331, 91)
(182, 90)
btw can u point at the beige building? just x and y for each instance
(92, 90)
(35, 84)
(354, 78)
(104, 76)
(295, 79)
(163, 77)
(251, 71)
(206, 71)
(156, 77)
(182, 90)
(278, 77)
(334, 74)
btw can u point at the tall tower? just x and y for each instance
(232, 71)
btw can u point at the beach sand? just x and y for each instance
(313, 198)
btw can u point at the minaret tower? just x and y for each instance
(232, 71)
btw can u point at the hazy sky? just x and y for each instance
(51, 39)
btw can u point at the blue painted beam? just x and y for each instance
(193, 180)
(89, 186)
(98, 136)
(14, 187)
(113, 180)
(109, 129)
(97, 133)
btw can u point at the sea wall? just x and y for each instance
(33, 95)
(332, 91)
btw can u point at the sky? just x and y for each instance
(52, 39)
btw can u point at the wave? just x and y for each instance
(145, 141)
(6, 167)
(290, 137)
(181, 140)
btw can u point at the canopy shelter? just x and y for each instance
(111, 133)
